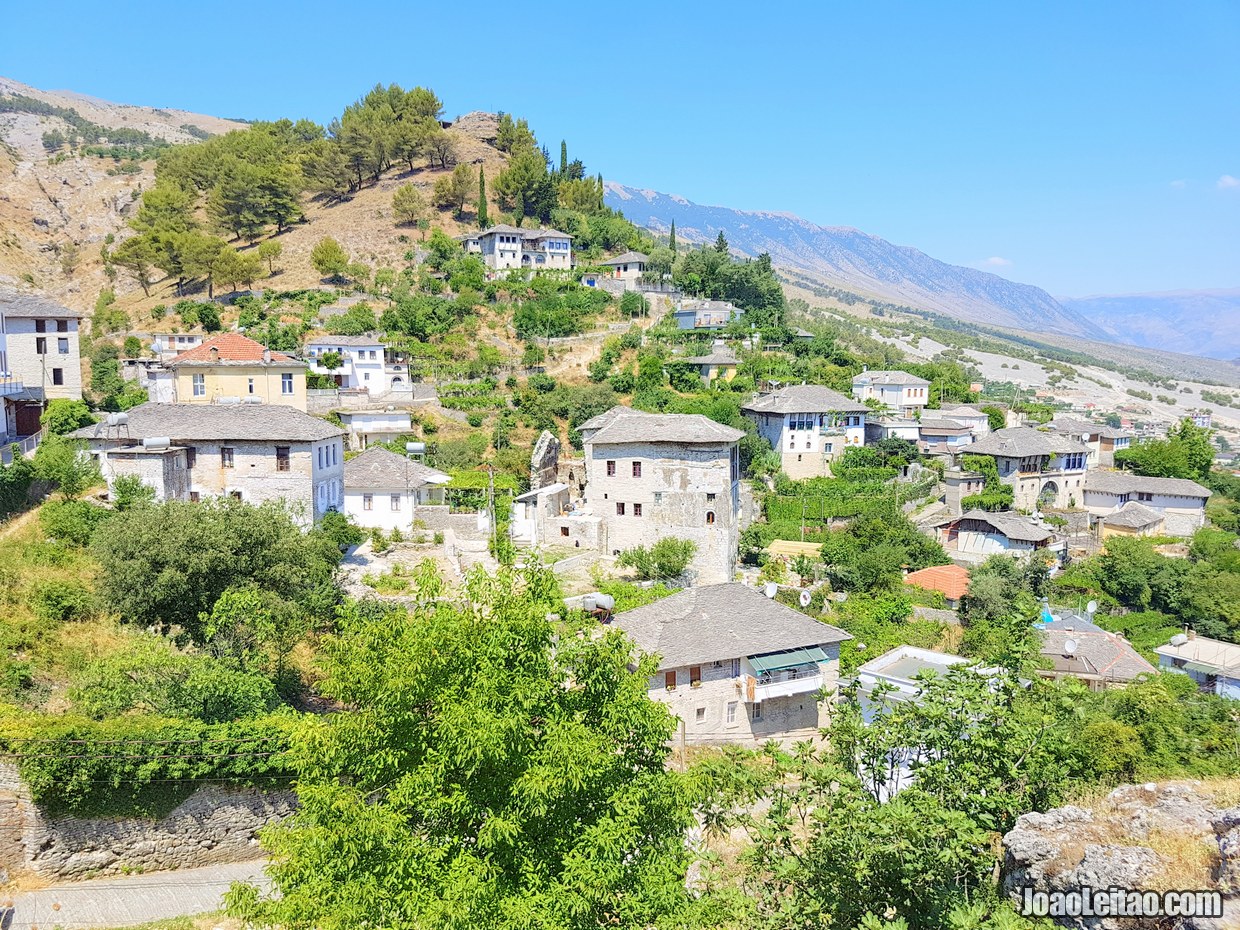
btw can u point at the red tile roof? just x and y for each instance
(952, 580)
(231, 348)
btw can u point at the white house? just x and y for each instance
(1213, 664)
(809, 426)
(1181, 502)
(736, 666)
(1045, 469)
(896, 676)
(361, 361)
(1103, 441)
(170, 344)
(253, 452)
(943, 437)
(41, 346)
(383, 490)
(627, 267)
(649, 476)
(375, 424)
(705, 314)
(902, 393)
(975, 535)
(503, 247)
(967, 415)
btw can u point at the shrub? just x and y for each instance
(668, 558)
(62, 601)
(72, 522)
(474, 420)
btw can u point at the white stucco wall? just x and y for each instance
(37, 370)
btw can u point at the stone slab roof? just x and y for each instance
(1133, 515)
(943, 426)
(1096, 652)
(186, 424)
(1075, 425)
(1124, 482)
(1022, 441)
(720, 622)
(345, 341)
(626, 258)
(718, 356)
(378, 469)
(629, 425)
(1011, 524)
(17, 305)
(524, 233)
(231, 349)
(805, 398)
(888, 377)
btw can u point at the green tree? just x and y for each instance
(64, 416)
(721, 244)
(329, 259)
(137, 255)
(456, 189)
(483, 219)
(129, 491)
(1187, 452)
(666, 559)
(268, 252)
(525, 188)
(408, 205)
(671, 238)
(66, 463)
(526, 802)
(995, 416)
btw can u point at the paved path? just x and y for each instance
(128, 900)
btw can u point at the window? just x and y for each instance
(710, 518)
(709, 497)
(62, 346)
(757, 711)
(62, 326)
(58, 376)
(619, 509)
(637, 510)
(368, 502)
(226, 457)
(193, 497)
(335, 454)
(365, 376)
(669, 679)
(695, 676)
(40, 345)
(200, 385)
(249, 384)
(282, 458)
(637, 469)
(731, 713)
(700, 715)
(286, 383)
(40, 326)
(564, 531)
(191, 457)
(658, 497)
(395, 503)
(235, 495)
(1144, 496)
(736, 668)
(611, 469)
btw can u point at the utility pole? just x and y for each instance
(684, 753)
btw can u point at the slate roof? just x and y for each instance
(962, 410)
(943, 426)
(186, 424)
(888, 377)
(1107, 655)
(1124, 482)
(720, 355)
(1133, 515)
(1011, 524)
(382, 470)
(626, 258)
(624, 424)
(1021, 441)
(233, 349)
(523, 232)
(1065, 424)
(345, 341)
(720, 622)
(952, 580)
(805, 398)
(17, 305)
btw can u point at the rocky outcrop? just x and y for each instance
(1169, 836)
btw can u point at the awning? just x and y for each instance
(773, 662)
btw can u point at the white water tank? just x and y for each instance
(156, 443)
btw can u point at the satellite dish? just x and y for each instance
(770, 589)
(805, 598)
(1069, 647)
(1091, 608)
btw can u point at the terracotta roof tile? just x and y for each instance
(233, 348)
(952, 580)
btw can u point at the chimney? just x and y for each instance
(1192, 634)
(215, 353)
(266, 356)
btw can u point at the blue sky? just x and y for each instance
(1086, 148)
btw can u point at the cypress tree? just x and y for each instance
(721, 244)
(483, 220)
(671, 239)
(563, 159)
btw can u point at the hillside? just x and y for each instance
(845, 257)
(1196, 322)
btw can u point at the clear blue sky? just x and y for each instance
(1084, 147)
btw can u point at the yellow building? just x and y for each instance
(231, 368)
(1133, 519)
(720, 363)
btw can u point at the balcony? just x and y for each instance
(784, 683)
(10, 386)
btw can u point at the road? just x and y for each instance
(128, 900)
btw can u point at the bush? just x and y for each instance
(72, 522)
(474, 420)
(668, 558)
(64, 416)
(62, 601)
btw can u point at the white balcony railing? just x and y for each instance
(784, 684)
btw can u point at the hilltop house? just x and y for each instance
(231, 368)
(253, 453)
(1046, 469)
(977, 534)
(650, 476)
(736, 666)
(627, 267)
(1213, 664)
(720, 363)
(170, 344)
(1103, 441)
(1077, 648)
(361, 361)
(1182, 503)
(809, 426)
(705, 314)
(383, 490)
(901, 393)
(40, 350)
(503, 247)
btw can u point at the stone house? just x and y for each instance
(736, 666)
(1181, 502)
(231, 368)
(1133, 519)
(1077, 648)
(967, 415)
(627, 267)
(361, 361)
(943, 437)
(977, 534)
(40, 347)
(504, 247)
(901, 393)
(705, 314)
(383, 490)
(1213, 664)
(367, 425)
(809, 426)
(254, 453)
(1042, 468)
(720, 363)
(1103, 441)
(649, 476)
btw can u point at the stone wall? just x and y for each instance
(212, 825)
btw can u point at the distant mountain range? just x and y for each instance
(853, 260)
(1194, 322)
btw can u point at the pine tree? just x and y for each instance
(721, 244)
(483, 220)
(671, 239)
(563, 159)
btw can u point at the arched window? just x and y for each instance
(710, 517)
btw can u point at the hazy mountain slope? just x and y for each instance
(1196, 322)
(849, 258)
